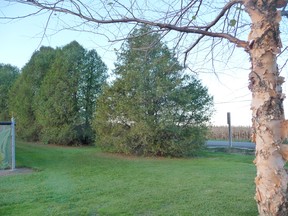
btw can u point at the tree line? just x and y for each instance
(254, 25)
(152, 107)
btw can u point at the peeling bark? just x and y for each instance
(267, 108)
(269, 125)
(284, 151)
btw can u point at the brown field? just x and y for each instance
(240, 133)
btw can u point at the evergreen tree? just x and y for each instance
(68, 95)
(54, 98)
(151, 108)
(229, 20)
(8, 75)
(22, 96)
(92, 77)
(58, 109)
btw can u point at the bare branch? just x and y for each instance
(186, 29)
(45, 28)
(221, 14)
(24, 16)
(177, 17)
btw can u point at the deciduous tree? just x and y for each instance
(226, 21)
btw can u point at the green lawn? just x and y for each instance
(85, 181)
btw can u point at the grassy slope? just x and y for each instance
(85, 181)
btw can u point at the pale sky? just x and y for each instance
(20, 38)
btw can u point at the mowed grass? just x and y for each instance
(86, 181)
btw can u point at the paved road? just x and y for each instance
(242, 145)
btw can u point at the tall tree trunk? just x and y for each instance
(267, 108)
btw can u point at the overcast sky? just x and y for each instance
(20, 38)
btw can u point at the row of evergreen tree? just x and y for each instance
(151, 108)
(54, 97)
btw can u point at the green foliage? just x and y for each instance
(55, 96)
(23, 93)
(151, 108)
(8, 76)
(58, 109)
(92, 77)
(67, 109)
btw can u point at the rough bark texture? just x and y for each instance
(267, 108)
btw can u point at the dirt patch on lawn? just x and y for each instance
(16, 171)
